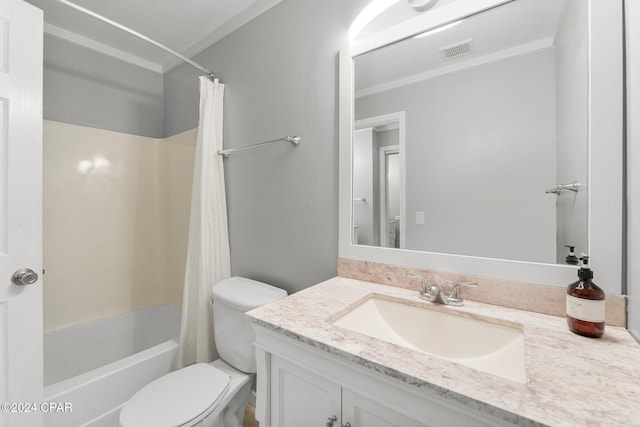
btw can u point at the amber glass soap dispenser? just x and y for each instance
(585, 304)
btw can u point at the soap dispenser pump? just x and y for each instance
(571, 259)
(585, 304)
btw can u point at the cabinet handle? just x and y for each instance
(348, 424)
(332, 419)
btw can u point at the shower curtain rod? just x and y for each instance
(294, 140)
(209, 73)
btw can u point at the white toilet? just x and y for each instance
(215, 394)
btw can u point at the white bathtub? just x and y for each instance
(97, 366)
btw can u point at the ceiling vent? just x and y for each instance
(457, 49)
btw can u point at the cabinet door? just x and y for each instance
(360, 411)
(301, 398)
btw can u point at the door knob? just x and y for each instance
(24, 276)
(332, 419)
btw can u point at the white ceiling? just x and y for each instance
(186, 26)
(514, 28)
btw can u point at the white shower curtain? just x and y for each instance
(208, 255)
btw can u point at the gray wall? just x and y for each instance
(280, 72)
(86, 88)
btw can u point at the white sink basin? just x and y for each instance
(480, 344)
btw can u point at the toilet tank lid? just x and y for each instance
(245, 294)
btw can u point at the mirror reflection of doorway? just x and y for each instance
(378, 181)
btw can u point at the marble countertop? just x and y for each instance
(571, 380)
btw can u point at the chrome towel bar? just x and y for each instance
(574, 186)
(294, 140)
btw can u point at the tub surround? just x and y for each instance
(520, 295)
(117, 197)
(561, 367)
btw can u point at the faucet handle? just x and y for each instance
(454, 296)
(426, 287)
(430, 292)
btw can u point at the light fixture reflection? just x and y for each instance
(439, 29)
(89, 167)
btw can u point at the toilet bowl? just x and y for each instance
(208, 394)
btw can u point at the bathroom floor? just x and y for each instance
(250, 416)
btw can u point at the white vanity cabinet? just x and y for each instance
(306, 398)
(360, 411)
(301, 385)
(303, 398)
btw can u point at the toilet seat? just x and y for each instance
(180, 398)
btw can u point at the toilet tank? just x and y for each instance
(232, 330)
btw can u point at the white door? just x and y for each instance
(20, 213)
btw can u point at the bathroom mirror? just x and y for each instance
(493, 142)
(496, 111)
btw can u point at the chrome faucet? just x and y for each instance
(434, 293)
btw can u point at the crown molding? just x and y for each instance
(458, 66)
(255, 10)
(242, 18)
(88, 43)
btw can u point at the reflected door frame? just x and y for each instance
(381, 121)
(384, 190)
